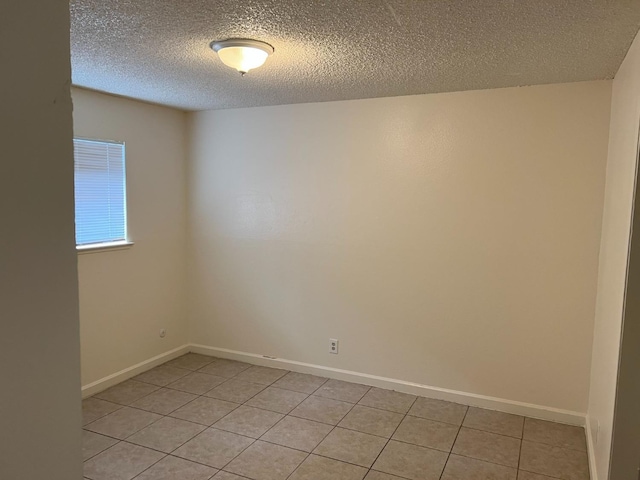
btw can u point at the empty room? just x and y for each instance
(313, 240)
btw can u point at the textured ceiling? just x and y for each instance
(158, 50)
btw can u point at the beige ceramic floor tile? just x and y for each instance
(320, 468)
(163, 401)
(555, 434)
(204, 410)
(94, 408)
(438, 410)
(197, 383)
(371, 420)
(166, 434)
(297, 433)
(300, 382)
(553, 461)
(191, 361)
(351, 447)
(249, 421)
(261, 375)
(489, 447)
(213, 447)
(463, 468)
(94, 443)
(343, 391)
(174, 468)
(127, 392)
(121, 462)
(411, 461)
(388, 400)
(162, 375)
(426, 433)
(123, 423)
(265, 461)
(494, 422)
(235, 391)
(322, 410)
(277, 400)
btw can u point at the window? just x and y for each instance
(100, 193)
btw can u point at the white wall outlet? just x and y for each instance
(333, 346)
(163, 333)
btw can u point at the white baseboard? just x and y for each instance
(122, 375)
(493, 403)
(591, 451)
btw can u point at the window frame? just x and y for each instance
(126, 243)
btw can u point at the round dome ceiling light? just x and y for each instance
(241, 54)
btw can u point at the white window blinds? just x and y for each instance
(100, 192)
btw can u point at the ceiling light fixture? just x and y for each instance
(241, 54)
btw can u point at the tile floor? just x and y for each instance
(200, 418)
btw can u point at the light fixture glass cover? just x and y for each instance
(241, 54)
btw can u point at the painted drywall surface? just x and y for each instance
(450, 240)
(127, 296)
(618, 201)
(39, 343)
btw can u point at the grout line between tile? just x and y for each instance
(184, 443)
(330, 431)
(520, 451)
(165, 456)
(343, 461)
(484, 461)
(96, 454)
(391, 436)
(392, 411)
(490, 433)
(454, 442)
(254, 440)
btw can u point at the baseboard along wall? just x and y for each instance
(591, 443)
(492, 403)
(115, 378)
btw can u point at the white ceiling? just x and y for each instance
(158, 50)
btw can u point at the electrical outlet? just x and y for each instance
(163, 333)
(333, 346)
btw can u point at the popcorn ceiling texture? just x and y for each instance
(158, 50)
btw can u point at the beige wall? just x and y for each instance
(618, 202)
(450, 240)
(39, 342)
(127, 296)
